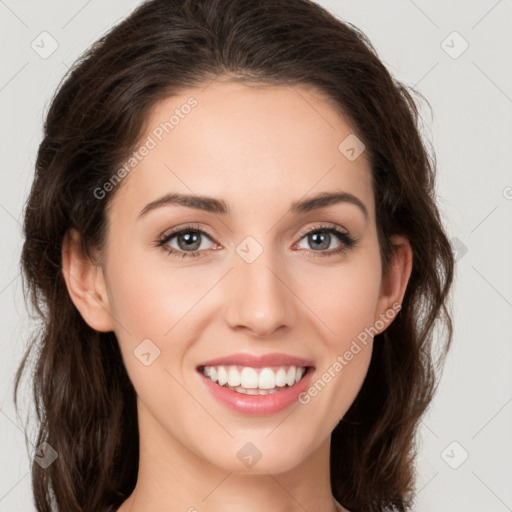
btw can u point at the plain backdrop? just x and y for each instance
(458, 55)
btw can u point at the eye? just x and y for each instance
(188, 242)
(321, 237)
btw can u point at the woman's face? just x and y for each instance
(244, 278)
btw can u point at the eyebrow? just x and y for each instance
(213, 205)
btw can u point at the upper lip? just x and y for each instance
(258, 361)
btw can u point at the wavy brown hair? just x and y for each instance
(85, 401)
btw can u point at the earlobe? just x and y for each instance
(86, 284)
(394, 282)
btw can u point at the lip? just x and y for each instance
(258, 405)
(258, 361)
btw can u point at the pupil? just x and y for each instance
(190, 239)
(325, 241)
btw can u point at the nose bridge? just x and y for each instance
(258, 298)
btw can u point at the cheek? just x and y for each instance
(344, 297)
(154, 311)
(148, 299)
(140, 303)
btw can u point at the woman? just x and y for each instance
(233, 242)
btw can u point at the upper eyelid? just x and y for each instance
(172, 233)
(319, 227)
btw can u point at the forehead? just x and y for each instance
(250, 145)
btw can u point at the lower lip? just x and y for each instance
(258, 405)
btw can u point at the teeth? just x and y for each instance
(233, 377)
(281, 377)
(247, 380)
(245, 391)
(267, 379)
(290, 376)
(222, 375)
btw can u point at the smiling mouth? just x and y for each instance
(255, 381)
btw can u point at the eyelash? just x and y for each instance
(347, 241)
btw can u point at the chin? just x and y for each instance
(257, 458)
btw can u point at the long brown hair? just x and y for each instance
(85, 401)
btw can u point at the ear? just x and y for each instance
(86, 284)
(394, 281)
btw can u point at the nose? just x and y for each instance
(259, 295)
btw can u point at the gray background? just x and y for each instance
(471, 97)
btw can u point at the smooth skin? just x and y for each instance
(259, 149)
